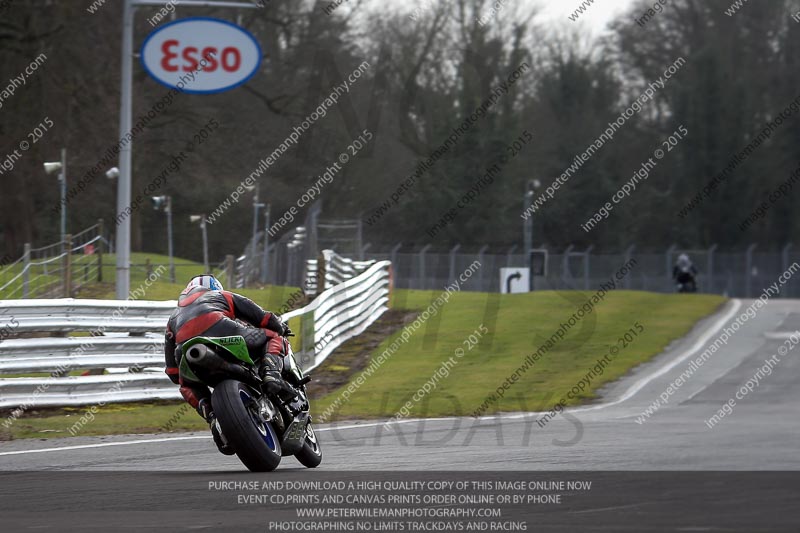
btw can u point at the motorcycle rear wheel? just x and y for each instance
(256, 443)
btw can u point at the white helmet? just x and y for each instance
(205, 281)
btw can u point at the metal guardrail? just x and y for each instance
(25, 356)
(340, 313)
(330, 270)
(84, 390)
(135, 362)
(76, 308)
(99, 316)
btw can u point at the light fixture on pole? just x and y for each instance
(202, 220)
(164, 203)
(61, 168)
(112, 174)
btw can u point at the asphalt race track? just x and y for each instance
(602, 440)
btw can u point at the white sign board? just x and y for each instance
(201, 55)
(515, 280)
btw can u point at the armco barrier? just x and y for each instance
(330, 270)
(135, 362)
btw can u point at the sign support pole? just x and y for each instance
(123, 239)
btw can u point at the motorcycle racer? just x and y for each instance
(205, 308)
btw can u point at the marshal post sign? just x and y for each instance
(201, 55)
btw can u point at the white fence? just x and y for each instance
(330, 270)
(126, 339)
(340, 313)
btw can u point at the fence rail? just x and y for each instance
(25, 356)
(135, 361)
(55, 270)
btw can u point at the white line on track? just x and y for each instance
(636, 387)
(699, 344)
(104, 444)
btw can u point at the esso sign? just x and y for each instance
(201, 55)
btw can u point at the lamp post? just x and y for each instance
(164, 203)
(202, 220)
(61, 168)
(253, 258)
(530, 187)
(265, 255)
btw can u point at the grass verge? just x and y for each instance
(518, 324)
(115, 419)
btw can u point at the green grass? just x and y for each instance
(108, 420)
(184, 269)
(523, 323)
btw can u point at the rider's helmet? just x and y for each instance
(684, 263)
(206, 281)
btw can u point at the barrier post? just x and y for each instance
(67, 261)
(26, 271)
(100, 250)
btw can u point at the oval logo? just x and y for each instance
(201, 55)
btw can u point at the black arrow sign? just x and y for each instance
(509, 279)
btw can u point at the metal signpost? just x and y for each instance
(123, 243)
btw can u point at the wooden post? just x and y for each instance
(100, 251)
(320, 273)
(67, 265)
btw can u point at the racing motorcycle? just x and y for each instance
(261, 428)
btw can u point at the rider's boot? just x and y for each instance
(270, 373)
(205, 410)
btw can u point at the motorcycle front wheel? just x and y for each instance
(311, 454)
(254, 439)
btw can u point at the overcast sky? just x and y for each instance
(595, 17)
(556, 12)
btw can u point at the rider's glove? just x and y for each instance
(275, 324)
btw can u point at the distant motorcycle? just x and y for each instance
(684, 274)
(259, 427)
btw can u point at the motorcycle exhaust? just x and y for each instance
(202, 356)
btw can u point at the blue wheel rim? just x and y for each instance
(264, 428)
